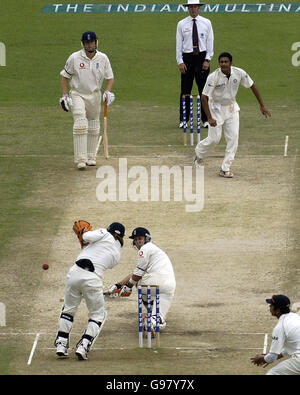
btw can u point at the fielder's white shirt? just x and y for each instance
(184, 37)
(222, 90)
(286, 335)
(103, 250)
(87, 75)
(151, 259)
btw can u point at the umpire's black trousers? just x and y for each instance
(194, 71)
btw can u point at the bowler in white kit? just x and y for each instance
(85, 72)
(219, 102)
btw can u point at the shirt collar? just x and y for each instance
(85, 55)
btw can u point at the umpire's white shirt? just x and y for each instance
(286, 335)
(87, 75)
(104, 251)
(184, 37)
(222, 90)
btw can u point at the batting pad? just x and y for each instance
(80, 140)
(92, 138)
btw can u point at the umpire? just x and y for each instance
(194, 50)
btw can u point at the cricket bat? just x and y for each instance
(104, 138)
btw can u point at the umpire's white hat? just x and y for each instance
(193, 2)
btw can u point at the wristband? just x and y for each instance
(131, 281)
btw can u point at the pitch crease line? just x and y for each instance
(286, 145)
(33, 348)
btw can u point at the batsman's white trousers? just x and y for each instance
(84, 284)
(290, 367)
(167, 288)
(86, 115)
(227, 121)
(86, 106)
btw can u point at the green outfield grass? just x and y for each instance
(36, 144)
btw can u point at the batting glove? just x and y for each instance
(108, 97)
(66, 102)
(113, 290)
(125, 291)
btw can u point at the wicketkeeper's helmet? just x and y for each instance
(117, 228)
(141, 232)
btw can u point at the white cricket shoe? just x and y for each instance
(61, 349)
(198, 161)
(81, 165)
(91, 162)
(81, 353)
(225, 174)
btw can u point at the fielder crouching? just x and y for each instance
(153, 268)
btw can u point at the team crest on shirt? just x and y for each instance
(235, 80)
(141, 253)
(202, 35)
(97, 65)
(82, 65)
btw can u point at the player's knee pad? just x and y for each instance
(91, 333)
(66, 322)
(94, 126)
(80, 126)
(93, 138)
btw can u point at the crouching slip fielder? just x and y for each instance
(285, 339)
(101, 250)
(222, 110)
(153, 268)
(86, 70)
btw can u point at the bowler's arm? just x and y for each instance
(263, 109)
(204, 102)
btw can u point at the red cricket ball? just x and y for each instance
(45, 266)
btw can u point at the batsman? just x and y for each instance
(154, 267)
(85, 72)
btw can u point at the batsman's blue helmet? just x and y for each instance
(89, 36)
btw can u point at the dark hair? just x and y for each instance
(119, 238)
(283, 310)
(225, 55)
